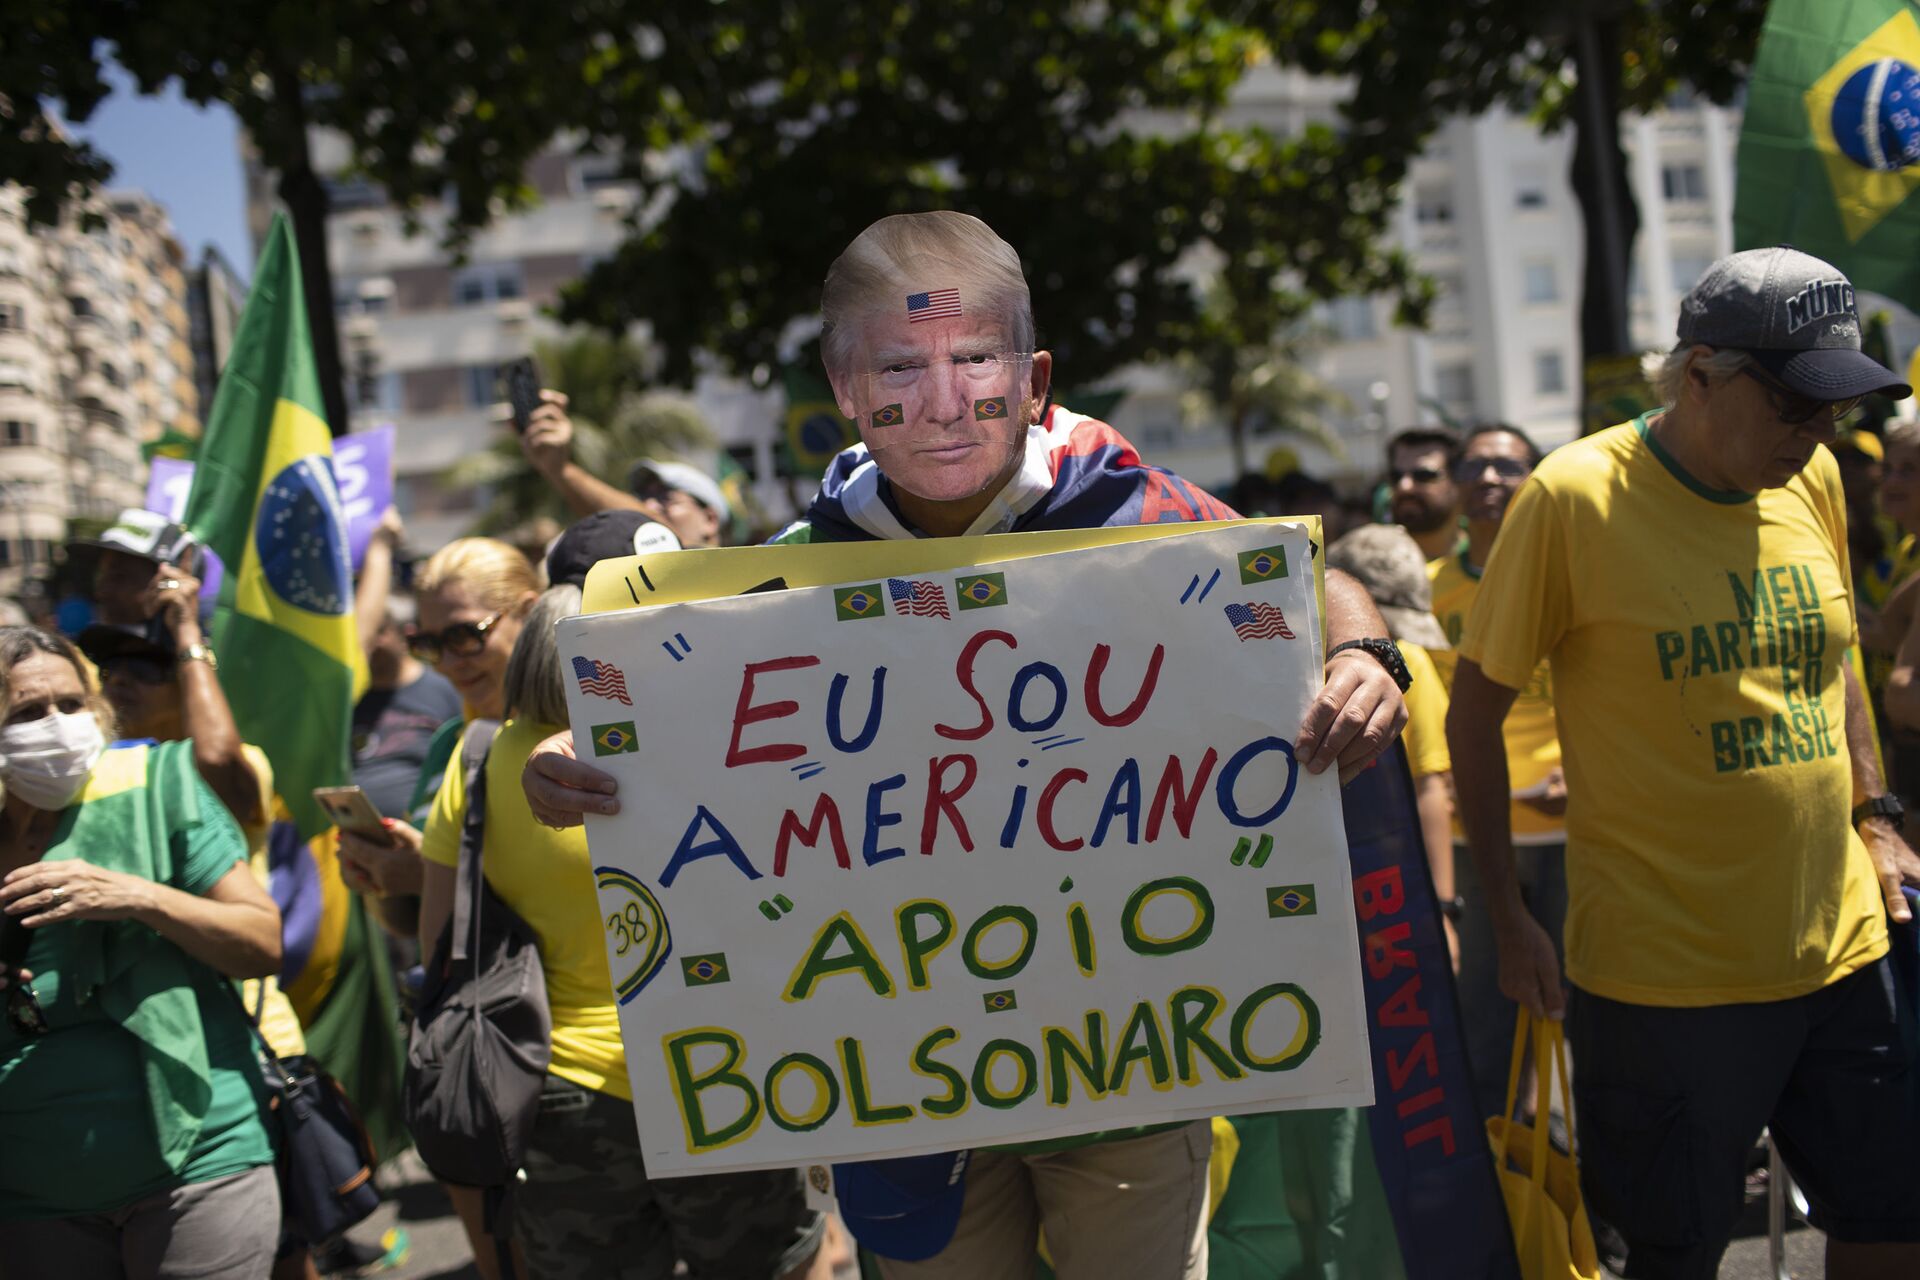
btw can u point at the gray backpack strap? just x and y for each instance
(475, 745)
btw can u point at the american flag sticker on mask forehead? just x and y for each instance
(935, 304)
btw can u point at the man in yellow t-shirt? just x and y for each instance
(1494, 460)
(1686, 575)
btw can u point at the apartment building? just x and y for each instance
(94, 361)
(1488, 212)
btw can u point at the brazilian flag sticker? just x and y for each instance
(615, 739)
(705, 971)
(864, 601)
(1264, 565)
(981, 591)
(999, 1001)
(1290, 900)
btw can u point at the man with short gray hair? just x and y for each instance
(1732, 859)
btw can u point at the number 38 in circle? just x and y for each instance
(638, 939)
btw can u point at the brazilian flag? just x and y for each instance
(1830, 151)
(265, 501)
(814, 429)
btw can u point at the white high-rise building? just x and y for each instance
(1489, 212)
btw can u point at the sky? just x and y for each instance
(186, 157)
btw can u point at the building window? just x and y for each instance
(1681, 183)
(13, 316)
(379, 392)
(1352, 319)
(1542, 283)
(491, 282)
(14, 376)
(15, 432)
(1453, 385)
(1433, 207)
(110, 374)
(483, 385)
(1529, 190)
(1688, 268)
(1549, 374)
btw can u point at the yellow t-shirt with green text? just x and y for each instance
(1532, 738)
(547, 877)
(1425, 736)
(1696, 639)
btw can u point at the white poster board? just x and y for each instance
(995, 854)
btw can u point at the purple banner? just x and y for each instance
(363, 472)
(167, 486)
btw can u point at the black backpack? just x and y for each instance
(482, 1034)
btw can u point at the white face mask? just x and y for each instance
(46, 762)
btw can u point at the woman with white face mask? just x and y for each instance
(131, 1130)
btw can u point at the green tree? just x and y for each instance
(442, 104)
(615, 421)
(1095, 138)
(1415, 63)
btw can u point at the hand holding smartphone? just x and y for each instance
(352, 811)
(523, 391)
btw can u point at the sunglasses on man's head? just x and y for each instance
(1793, 408)
(461, 640)
(1473, 468)
(1419, 475)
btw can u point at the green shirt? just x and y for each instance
(77, 1126)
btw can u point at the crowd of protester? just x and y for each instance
(1674, 818)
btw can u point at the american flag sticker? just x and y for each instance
(601, 679)
(918, 598)
(935, 304)
(1258, 621)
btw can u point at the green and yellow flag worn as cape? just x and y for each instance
(264, 499)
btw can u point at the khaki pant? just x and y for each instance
(1136, 1208)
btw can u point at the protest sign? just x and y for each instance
(362, 473)
(168, 483)
(1011, 850)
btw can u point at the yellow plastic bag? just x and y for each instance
(1542, 1186)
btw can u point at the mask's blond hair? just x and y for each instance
(913, 253)
(500, 576)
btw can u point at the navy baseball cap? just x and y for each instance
(1795, 315)
(905, 1209)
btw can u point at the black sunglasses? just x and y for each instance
(1793, 408)
(1473, 468)
(461, 640)
(24, 1013)
(1419, 475)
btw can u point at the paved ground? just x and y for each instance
(440, 1247)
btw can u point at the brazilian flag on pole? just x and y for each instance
(264, 499)
(1830, 151)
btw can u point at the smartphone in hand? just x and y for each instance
(523, 391)
(352, 811)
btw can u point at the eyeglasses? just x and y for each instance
(1419, 475)
(461, 640)
(1793, 408)
(24, 1013)
(1469, 469)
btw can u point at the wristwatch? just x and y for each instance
(1383, 651)
(1452, 907)
(1888, 807)
(197, 652)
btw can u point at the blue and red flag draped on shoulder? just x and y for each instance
(1404, 1190)
(1079, 473)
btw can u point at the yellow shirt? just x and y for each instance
(1532, 737)
(279, 1025)
(1696, 639)
(547, 877)
(1425, 736)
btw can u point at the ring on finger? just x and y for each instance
(168, 584)
(59, 895)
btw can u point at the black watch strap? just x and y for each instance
(1383, 651)
(1885, 806)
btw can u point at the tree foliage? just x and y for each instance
(1097, 139)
